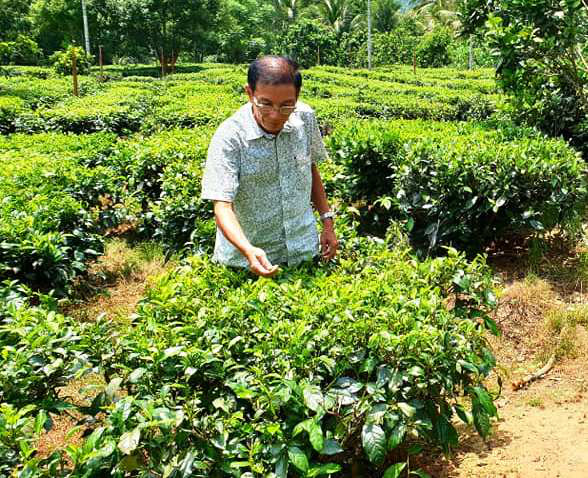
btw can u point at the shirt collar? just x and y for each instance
(254, 131)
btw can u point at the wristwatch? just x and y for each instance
(327, 215)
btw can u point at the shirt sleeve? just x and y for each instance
(220, 179)
(318, 152)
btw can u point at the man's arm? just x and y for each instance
(228, 223)
(329, 243)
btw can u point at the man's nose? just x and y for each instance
(274, 115)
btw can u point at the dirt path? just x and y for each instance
(542, 432)
(543, 429)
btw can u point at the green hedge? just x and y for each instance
(166, 170)
(460, 185)
(190, 104)
(54, 209)
(120, 109)
(305, 375)
(10, 108)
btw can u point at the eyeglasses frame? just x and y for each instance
(266, 108)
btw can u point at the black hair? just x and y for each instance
(274, 70)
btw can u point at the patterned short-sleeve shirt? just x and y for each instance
(268, 179)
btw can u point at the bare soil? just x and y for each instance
(542, 431)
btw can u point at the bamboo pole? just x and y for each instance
(369, 45)
(74, 72)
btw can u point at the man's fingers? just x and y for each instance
(264, 260)
(329, 248)
(261, 266)
(263, 272)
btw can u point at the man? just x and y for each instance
(261, 173)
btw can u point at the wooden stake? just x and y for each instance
(74, 71)
(101, 63)
(414, 63)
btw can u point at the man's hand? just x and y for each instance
(259, 263)
(329, 243)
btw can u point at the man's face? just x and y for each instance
(272, 98)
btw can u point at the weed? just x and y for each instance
(536, 402)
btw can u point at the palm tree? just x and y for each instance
(336, 13)
(385, 14)
(432, 13)
(287, 9)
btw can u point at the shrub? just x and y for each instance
(22, 51)
(321, 368)
(179, 217)
(120, 109)
(433, 49)
(40, 352)
(53, 210)
(477, 191)
(20, 429)
(369, 156)
(10, 108)
(62, 61)
(463, 186)
(190, 104)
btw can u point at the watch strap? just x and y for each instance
(327, 215)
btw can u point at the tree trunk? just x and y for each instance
(167, 61)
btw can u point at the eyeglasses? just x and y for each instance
(283, 110)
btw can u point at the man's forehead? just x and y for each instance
(274, 93)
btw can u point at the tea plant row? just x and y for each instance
(135, 103)
(217, 374)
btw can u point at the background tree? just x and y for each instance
(340, 15)
(56, 23)
(437, 13)
(14, 19)
(310, 42)
(385, 15)
(287, 10)
(244, 30)
(164, 28)
(541, 46)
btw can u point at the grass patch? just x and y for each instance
(117, 281)
(562, 327)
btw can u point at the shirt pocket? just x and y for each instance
(258, 169)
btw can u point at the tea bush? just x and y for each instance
(40, 352)
(63, 60)
(120, 109)
(190, 105)
(37, 93)
(54, 209)
(20, 429)
(10, 108)
(306, 367)
(220, 374)
(464, 188)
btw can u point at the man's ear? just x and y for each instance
(249, 92)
